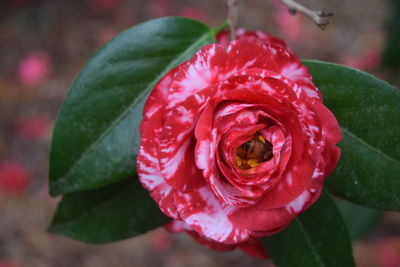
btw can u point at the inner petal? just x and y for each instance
(253, 152)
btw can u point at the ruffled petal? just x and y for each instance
(263, 38)
(330, 126)
(254, 248)
(209, 217)
(177, 145)
(205, 68)
(147, 159)
(270, 220)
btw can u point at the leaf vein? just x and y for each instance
(309, 241)
(358, 139)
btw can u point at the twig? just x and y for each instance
(232, 17)
(319, 17)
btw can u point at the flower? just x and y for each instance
(36, 127)
(193, 13)
(14, 178)
(289, 25)
(7, 263)
(34, 68)
(236, 142)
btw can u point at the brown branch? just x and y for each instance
(319, 17)
(232, 17)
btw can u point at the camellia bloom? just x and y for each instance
(14, 178)
(34, 68)
(236, 142)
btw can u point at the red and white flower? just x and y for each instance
(236, 142)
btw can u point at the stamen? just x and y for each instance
(252, 152)
(238, 161)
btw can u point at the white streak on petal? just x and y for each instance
(290, 179)
(200, 99)
(167, 149)
(294, 72)
(203, 155)
(170, 165)
(185, 115)
(317, 173)
(214, 221)
(151, 181)
(297, 204)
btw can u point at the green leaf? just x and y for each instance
(111, 213)
(96, 136)
(359, 220)
(368, 111)
(391, 51)
(317, 237)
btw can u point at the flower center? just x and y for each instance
(252, 152)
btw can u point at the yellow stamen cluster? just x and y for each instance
(252, 152)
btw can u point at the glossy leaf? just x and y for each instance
(111, 213)
(317, 237)
(368, 110)
(360, 220)
(96, 136)
(391, 51)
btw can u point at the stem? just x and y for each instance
(232, 17)
(220, 27)
(319, 17)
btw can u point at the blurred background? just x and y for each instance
(44, 43)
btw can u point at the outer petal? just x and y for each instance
(217, 246)
(253, 246)
(147, 160)
(209, 217)
(176, 150)
(330, 127)
(251, 36)
(150, 175)
(246, 55)
(207, 67)
(270, 220)
(330, 131)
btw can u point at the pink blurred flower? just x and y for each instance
(159, 8)
(14, 177)
(367, 61)
(36, 127)
(160, 240)
(34, 68)
(389, 252)
(102, 5)
(291, 26)
(7, 263)
(193, 13)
